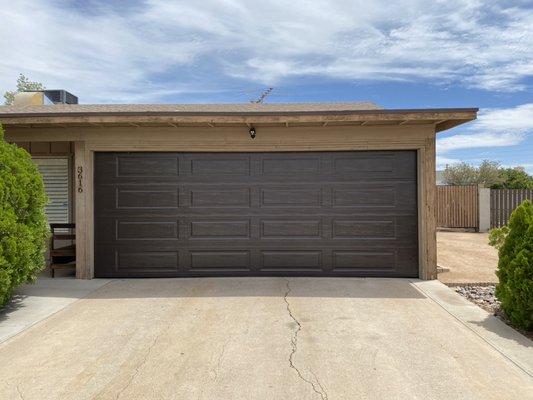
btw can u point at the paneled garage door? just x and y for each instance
(216, 214)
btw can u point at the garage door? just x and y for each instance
(219, 214)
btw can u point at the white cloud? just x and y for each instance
(493, 128)
(104, 57)
(443, 161)
(112, 55)
(516, 119)
(477, 140)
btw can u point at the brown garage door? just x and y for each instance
(214, 214)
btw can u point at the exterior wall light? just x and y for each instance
(252, 132)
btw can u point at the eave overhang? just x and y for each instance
(442, 118)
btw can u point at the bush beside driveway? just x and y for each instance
(23, 228)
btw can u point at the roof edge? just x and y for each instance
(441, 118)
(236, 113)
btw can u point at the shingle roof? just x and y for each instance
(244, 108)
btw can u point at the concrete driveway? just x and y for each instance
(265, 338)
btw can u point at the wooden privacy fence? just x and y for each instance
(457, 207)
(503, 202)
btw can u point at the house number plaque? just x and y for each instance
(80, 177)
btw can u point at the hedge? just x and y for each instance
(23, 226)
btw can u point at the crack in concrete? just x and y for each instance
(325, 396)
(216, 370)
(138, 367)
(294, 348)
(20, 393)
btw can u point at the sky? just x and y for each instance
(398, 54)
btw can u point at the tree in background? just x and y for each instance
(23, 84)
(514, 178)
(23, 227)
(487, 174)
(459, 174)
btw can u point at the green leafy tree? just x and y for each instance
(23, 84)
(23, 227)
(514, 178)
(487, 174)
(515, 266)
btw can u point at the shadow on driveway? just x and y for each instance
(259, 287)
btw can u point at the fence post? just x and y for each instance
(484, 209)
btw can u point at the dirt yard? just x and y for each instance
(467, 256)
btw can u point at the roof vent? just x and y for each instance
(44, 97)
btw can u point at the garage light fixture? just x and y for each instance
(252, 132)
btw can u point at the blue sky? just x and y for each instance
(400, 54)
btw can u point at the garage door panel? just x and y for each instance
(380, 165)
(220, 197)
(205, 214)
(126, 262)
(290, 197)
(406, 229)
(291, 259)
(291, 229)
(136, 167)
(147, 197)
(221, 165)
(406, 259)
(220, 259)
(355, 228)
(286, 166)
(147, 260)
(116, 200)
(146, 230)
(406, 195)
(374, 166)
(370, 196)
(131, 231)
(229, 229)
(358, 260)
(146, 167)
(404, 165)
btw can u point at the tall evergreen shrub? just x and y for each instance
(515, 266)
(23, 227)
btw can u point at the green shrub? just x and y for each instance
(23, 227)
(497, 236)
(515, 266)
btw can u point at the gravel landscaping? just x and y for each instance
(483, 296)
